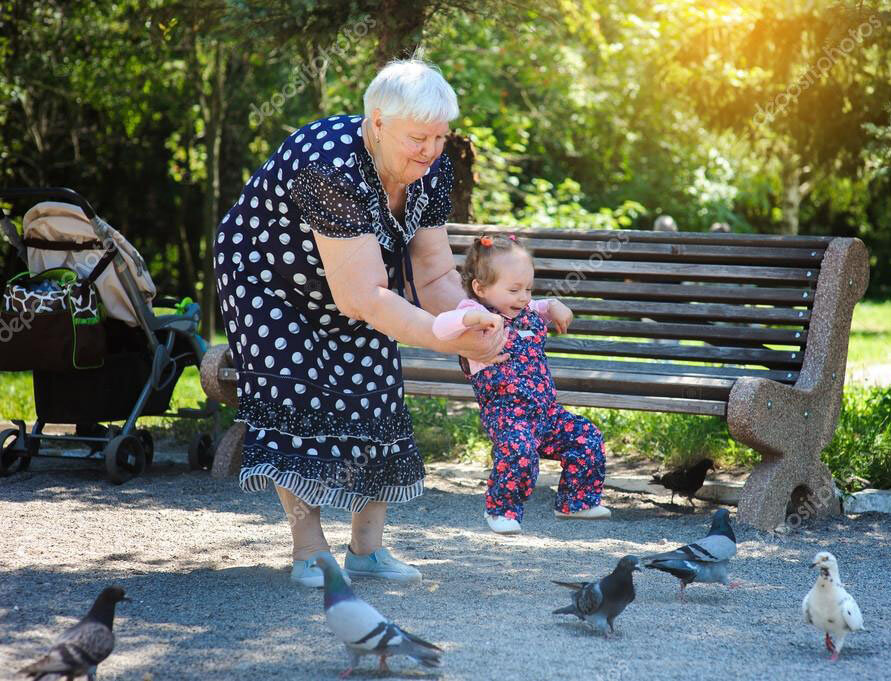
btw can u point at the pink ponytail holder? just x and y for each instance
(512, 237)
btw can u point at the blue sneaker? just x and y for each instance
(380, 564)
(307, 573)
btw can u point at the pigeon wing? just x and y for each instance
(806, 607)
(356, 623)
(850, 612)
(589, 598)
(715, 548)
(82, 646)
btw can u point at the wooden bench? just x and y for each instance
(751, 328)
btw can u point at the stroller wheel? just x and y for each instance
(11, 460)
(148, 445)
(201, 452)
(124, 458)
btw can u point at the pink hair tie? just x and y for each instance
(512, 237)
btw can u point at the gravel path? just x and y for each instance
(207, 567)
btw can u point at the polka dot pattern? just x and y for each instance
(321, 393)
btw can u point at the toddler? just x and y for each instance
(517, 399)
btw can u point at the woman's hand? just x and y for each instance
(560, 315)
(483, 341)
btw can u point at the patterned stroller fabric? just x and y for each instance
(55, 221)
(51, 321)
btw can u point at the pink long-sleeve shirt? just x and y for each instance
(449, 325)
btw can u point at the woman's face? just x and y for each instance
(407, 148)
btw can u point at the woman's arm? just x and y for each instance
(358, 281)
(436, 279)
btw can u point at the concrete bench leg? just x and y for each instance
(791, 492)
(227, 459)
(228, 455)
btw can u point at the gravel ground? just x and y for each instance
(207, 567)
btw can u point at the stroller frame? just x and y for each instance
(127, 450)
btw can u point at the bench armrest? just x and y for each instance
(777, 419)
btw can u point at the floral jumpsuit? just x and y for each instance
(520, 413)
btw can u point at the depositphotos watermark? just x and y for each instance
(305, 73)
(830, 56)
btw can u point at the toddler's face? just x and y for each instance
(512, 290)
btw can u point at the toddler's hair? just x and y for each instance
(478, 261)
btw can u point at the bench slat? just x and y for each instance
(663, 368)
(744, 274)
(706, 293)
(616, 382)
(775, 359)
(584, 399)
(706, 238)
(689, 311)
(732, 335)
(659, 252)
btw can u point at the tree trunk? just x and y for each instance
(399, 29)
(461, 152)
(791, 195)
(214, 116)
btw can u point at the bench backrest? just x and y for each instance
(675, 315)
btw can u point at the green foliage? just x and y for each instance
(859, 455)
(447, 430)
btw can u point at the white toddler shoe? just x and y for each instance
(501, 525)
(593, 513)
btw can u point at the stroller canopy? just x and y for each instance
(55, 221)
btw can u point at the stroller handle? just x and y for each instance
(49, 193)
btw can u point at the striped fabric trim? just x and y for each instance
(317, 493)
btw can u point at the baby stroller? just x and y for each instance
(81, 321)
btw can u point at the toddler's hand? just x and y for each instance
(561, 315)
(481, 320)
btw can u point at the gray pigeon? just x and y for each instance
(81, 648)
(703, 561)
(362, 629)
(599, 603)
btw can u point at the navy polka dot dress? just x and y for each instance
(321, 393)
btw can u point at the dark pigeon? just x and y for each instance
(79, 650)
(686, 481)
(362, 629)
(703, 561)
(599, 603)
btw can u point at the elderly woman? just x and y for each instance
(312, 264)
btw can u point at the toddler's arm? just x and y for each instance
(541, 308)
(552, 310)
(469, 313)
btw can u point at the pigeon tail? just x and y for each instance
(568, 610)
(420, 650)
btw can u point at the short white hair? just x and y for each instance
(414, 89)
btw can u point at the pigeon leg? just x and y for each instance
(346, 672)
(384, 669)
(734, 584)
(91, 674)
(682, 595)
(830, 646)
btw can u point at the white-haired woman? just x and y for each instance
(312, 265)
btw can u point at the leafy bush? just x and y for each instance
(859, 455)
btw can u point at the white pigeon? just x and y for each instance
(362, 629)
(829, 607)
